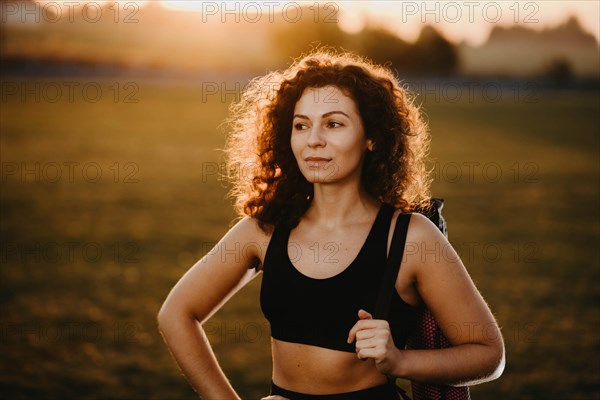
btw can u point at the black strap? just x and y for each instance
(382, 306)
(402, 393)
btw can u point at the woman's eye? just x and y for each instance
(334, 124)
(299, 126)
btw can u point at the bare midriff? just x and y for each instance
(316, 370)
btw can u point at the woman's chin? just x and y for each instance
(319, 176)
(319, 179)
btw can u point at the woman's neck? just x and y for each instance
(334, 205)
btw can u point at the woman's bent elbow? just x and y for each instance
(498, 364)
(491, 366)
(494, 364)
(161, 317)
(173, 318)
(495, 359)
(498, 357)
(167, 316)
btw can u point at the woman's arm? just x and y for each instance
(200, 293)
(442, 282)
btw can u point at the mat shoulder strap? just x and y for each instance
(382, 305)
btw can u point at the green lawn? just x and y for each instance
(125, 197)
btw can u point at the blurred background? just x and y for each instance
(110, 134)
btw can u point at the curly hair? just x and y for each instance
(267, 182)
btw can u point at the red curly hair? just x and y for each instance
(267, 182)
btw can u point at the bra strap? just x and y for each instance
(384, 298)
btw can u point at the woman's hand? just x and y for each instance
(274, 398)
(374, 340)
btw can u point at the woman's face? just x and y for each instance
(328, 138)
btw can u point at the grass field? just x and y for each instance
(105, 204)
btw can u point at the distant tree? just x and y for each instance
(559, 71)
(434, 54)
(382, 47)
(290, 39)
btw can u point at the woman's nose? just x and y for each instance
(315, 137)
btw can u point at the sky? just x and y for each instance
(469, 21)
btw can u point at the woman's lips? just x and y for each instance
(316, 161)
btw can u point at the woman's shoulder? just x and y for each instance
(251, 238)
(250, 227)
(421, 224)
(420, 228)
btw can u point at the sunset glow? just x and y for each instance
(459, 21)
(183, 5)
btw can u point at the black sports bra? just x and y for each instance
(321, 312)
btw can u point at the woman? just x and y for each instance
(324, 157)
